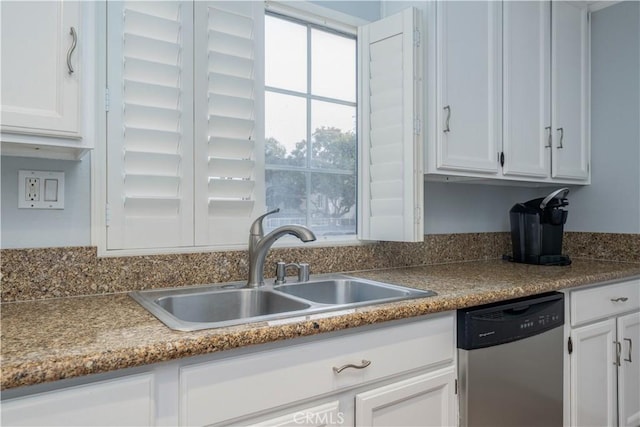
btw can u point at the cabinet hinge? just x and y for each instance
(501, 159)
(107, 215)
(107, 99)
(417, 126)
(416, 37)
(455, 387)
(570, 345)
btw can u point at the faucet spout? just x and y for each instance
(259, 247)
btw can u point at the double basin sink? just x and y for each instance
(216, 306)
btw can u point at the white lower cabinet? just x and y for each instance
(328, 414)
(424, 400)
(125, 401)
(274, 387)
(593, 375)
(604, 361)
(629, 370)
(366, 376)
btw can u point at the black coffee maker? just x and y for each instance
(536, 229)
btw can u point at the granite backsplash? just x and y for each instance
(76, 271)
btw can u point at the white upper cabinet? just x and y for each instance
(511, 82)
(468, 89)
(526, 126)
(570, 90)
(390, 155)
(41, 77)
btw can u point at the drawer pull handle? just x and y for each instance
(363, 365)
(623, 299)
(630, 344)
(618, 351)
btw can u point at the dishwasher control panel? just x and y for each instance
(507, 321)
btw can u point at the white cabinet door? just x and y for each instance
(468, 89)
(424, 400)
(570, 84)
(324, 415)
(526, 120)
(266, 381)
(120, 402)
(593, 375)
(40, 94)
(629, 370)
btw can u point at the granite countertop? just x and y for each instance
(54, 339)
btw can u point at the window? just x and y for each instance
(310, 126)
(188, 86)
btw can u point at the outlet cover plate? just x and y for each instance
(50, 191)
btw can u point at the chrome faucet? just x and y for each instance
(259, 245)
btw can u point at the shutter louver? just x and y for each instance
(391, 158)
(231, 108)
(228, 151)
(150, 188)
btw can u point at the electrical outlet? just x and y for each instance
(32, 189)
(40, 190)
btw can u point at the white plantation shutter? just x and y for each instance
(149, 125)
(391, 181)
(229, 158)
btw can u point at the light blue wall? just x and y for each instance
(32, 228)
(612, 202)
(471, 208)
(365, 9)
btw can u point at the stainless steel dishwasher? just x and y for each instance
(510, 362)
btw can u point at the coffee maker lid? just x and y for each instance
(555, 195)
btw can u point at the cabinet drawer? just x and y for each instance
(222, 390)
(604, 301)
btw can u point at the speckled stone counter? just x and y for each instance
(54, 339)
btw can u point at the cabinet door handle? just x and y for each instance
(630, 347)
(548, 129)
(363, 365)
(446, 122)
(72, 48)
(561, 130)
(620, 299)
(618, 351)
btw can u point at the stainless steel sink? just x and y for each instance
(228, 305)
(215, 306)
(347, 291)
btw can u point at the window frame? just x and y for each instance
(307, 12)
